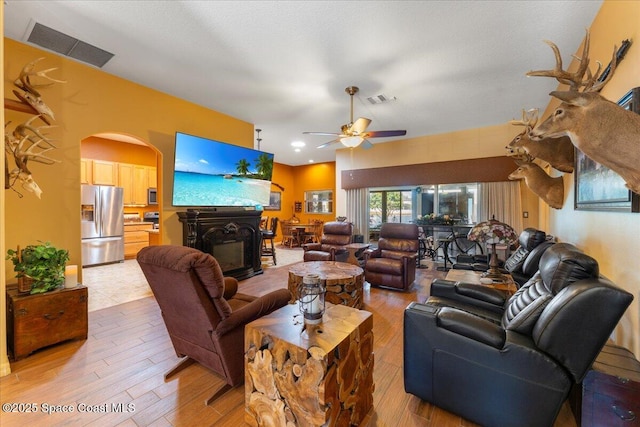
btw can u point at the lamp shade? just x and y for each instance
(493, 232)
(351, 141)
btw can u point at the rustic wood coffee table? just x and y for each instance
(344, 281)
(303, 375)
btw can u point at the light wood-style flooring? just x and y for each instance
(118, 372)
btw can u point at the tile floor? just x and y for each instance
(122, 282)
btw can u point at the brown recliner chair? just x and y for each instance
(203, 313)
(335, 235)
(393, 263)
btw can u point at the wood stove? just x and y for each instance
(232, 235)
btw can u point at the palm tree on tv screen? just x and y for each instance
(242, 167)
(264, 166)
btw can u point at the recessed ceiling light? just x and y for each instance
(297, 150)
(310, 160)
(298, 144)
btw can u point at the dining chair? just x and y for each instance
(288, 236)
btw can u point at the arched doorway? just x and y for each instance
(114, 159)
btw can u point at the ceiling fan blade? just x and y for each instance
(385, 133)
(366, 144)
(322, 133)
(360, 125)
(327, 144)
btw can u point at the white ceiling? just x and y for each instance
(284, 65)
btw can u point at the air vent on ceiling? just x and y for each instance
(56, 41)
(380, 99)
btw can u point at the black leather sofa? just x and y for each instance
(522, 264)
(501, 361)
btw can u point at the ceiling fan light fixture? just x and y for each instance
(351, 141)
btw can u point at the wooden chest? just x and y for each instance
(611, 390)
(37, 321)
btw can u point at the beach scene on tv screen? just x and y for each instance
(213, 173)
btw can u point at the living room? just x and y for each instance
(94, 102)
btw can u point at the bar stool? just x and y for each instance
(269, 234)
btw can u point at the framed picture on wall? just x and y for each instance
(275, 201)
(598, 188)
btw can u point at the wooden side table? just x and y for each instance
(344, 281)
(40, 320)
(469, 276)
(314, 375)
(355, 249)
(610, 391)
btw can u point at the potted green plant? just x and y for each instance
(42, 265)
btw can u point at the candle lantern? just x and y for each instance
(311, 300)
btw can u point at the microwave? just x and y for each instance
(152, 196)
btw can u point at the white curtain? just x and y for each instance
(502, 200)
(358, 210)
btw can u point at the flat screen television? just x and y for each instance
(211, 173)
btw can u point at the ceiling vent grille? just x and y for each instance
(380, 99)
(56, 41)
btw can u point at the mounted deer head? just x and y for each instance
(601, 129)
(558, 152)
(548, 188)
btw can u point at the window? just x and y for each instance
(390, 206)
(459, 201)
(318, 201)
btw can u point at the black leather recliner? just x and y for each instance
(511, 362)
(522, 264)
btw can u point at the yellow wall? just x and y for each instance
(115, 151)
(94, 102)
(321, 176)
(610, 237)
(5, 368)
(296, 180)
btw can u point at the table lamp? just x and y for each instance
(493, 232)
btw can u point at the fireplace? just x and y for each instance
(230, 234)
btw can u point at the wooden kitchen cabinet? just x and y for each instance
(153, 177)
(104, 172)
(134, 179)
(136, 237)
(86, 171)
(140, 184)
(41, 320)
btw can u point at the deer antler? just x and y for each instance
(30, 94)
(21, 131)
(574, 80)
(529, 118)
(24, 80)
(577, 80)
(596, 85)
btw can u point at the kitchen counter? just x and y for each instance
(154, 237)
(136, 237)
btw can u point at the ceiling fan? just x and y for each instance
(354, 134)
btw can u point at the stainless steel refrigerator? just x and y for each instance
(102, 223)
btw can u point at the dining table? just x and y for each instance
(300, 232)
